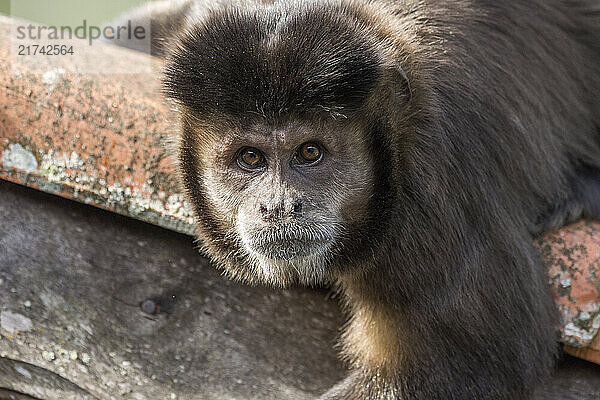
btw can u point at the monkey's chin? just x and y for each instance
(287, 266)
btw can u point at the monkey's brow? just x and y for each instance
(290, 135)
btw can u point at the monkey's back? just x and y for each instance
(514, 92)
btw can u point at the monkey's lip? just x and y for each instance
(289, 249)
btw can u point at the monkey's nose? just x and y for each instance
(270, 214)
(279, 211)
(297, 207)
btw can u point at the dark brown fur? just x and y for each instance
(480, 122)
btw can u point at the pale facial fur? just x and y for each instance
(290, 247)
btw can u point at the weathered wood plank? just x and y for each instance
(73, 281)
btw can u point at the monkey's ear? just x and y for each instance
(401, 90)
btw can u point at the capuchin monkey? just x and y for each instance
(407, 152)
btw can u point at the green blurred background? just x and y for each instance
(68, 12)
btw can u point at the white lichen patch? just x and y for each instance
(85, 358)
(565, 283)
(144, 201)
(16, 156)
(580, 326)
(581, 336)
(55, 168)
(14, 322)
(48, 356)
(177, 205)
(52, 76)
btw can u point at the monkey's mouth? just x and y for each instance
(288, 243)
(289, 249)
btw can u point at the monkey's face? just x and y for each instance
(280, 137)
(286, 195)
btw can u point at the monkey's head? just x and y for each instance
(279, 149)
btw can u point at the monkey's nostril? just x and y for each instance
(267, 215)
(297, 208)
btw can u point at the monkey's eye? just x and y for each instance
(249, 158)
(309, 153)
